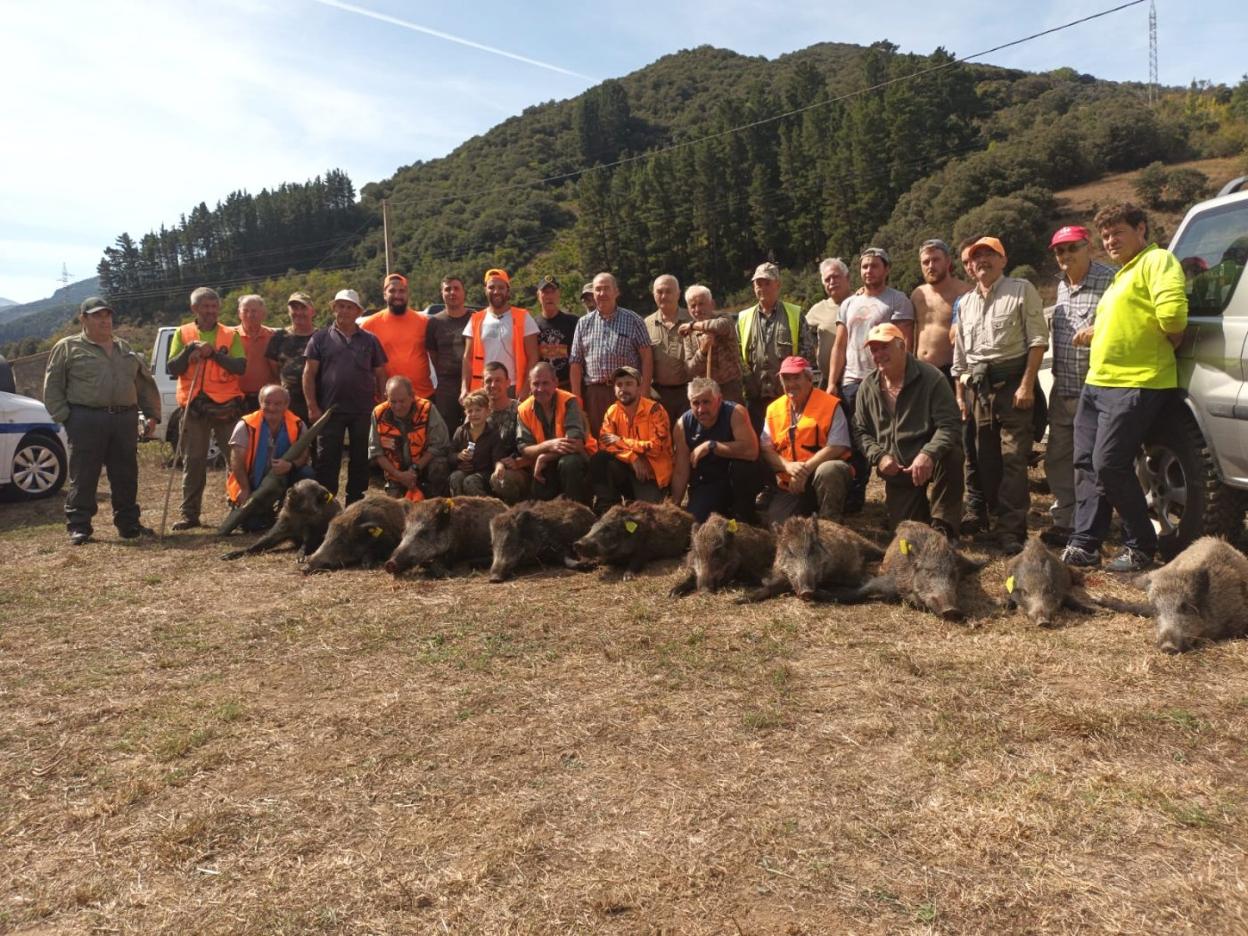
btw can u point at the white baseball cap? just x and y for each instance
(349, 295)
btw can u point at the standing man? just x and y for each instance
(978, 507)
(401, 331)
(933, 301)
(444, 340)
(286, 349)
(713, 348)
(207, 358)
(499, 332)
(346, 369)
(807, 444)
(408, 441)
(634, 457)
(769, 332)
(255, 336)
(716, 453)
(668, 345)
(258, 445)
(587, 297)
(1000, 341)
(606, 339)
(94, 386)
(911, 433)
(821, 318)
(555, 330)
(1083, 282)
(551, 435)
(851, 362)
(1132, 374)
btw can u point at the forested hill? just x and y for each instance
(651, 173)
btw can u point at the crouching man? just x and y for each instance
(257, 446)
(910, 430)
(408, 441)
(634, 460)
(550, 434)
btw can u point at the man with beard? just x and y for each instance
(555, 330)
(500, 332)
(634, 459)
(821, 317)
(286, 349)
(401, 332)
(444, 340)
(933, 305)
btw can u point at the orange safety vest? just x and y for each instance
(390, 436)
(294, 426)
(518, 317)
(798, 443)
(647, 436)
(402, 337)
(526, 412)
(220, 385)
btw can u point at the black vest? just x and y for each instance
(713, 468)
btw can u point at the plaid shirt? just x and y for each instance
(1075, 310)
(601, 347)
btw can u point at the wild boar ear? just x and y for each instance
(1200, 584)
(693, 529)
(443, 516)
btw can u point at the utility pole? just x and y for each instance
(1153, 93)
(385, 230)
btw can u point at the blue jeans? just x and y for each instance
(1110, 424)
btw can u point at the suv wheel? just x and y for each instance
(1185, 498)
(39, 467)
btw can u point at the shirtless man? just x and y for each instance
(933, 305)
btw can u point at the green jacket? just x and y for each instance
(80, 373)
(926, 418)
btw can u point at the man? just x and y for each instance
(444, 340)
(255, 336)
(975, 517)
(94, 386)
(510, 481)
(207, 358)
(401, 331)
(551, 434)
(408, 441)
(806, 442)
(668, 346)
(933, 301)
(634, 457)
(499, 332)
(606, 339)
(555, 330)
(769, 332)
(258, 445)
(712, 347)
(1080, 288)
(587, 297)
(286, 349)
(1001, 337)
(716, 451)
(911, 433)
(821, 318)
(346, 369)
(1132, 374)
(850, 363)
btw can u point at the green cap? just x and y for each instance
(93, 304)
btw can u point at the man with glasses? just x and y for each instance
(286, 349)
(1082, 284)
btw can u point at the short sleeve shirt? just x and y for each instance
(554, 342)
(288, 351)
(859, 314)
(346, 378)
(496, 337)
(603, 346)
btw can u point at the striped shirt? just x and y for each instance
(603, 346)
(1074, 311)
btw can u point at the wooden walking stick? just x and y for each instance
(180, 447)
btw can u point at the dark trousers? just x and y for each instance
(1110, 424)
(598, 399)
(569, 476)
(975, 503)
(197, 435)
(675, 400)
(99, 440)
(615, 480)
(1004, 446)
(757, 410)
(732, 497)
(940, 499)
(857, 495)
(446, 401)
(329, 453)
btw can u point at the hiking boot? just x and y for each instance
(186, 523)
(973, 522)
(1057, 536)
(1130, 560)
(1080, 558)
(79, 537)
(136, 532)
(946, 530)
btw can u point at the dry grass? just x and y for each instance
(197, 746)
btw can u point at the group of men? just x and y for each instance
(774, 413)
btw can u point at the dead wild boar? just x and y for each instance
(443, 531)
(365, 534)
(304, 518)
(1040, 583)
(633, 534)
(1200, 595)
(723, 551)
(537, 533)
(812, 553)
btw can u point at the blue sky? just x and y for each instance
(123, 115)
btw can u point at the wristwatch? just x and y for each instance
(712, 446)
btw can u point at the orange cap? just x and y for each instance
(885, 331)
(496, 273)
(990, 242)
(393, 276)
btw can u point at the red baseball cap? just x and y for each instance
(1069, 235)
(794, 365)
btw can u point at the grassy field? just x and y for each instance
(193, 746)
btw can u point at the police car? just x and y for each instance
(33, 462)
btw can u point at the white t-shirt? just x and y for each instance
(859, 314)
(496, 338)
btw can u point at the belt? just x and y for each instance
(671, 386)
(111, 410)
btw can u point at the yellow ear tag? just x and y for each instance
(374, 531)
(732, 526)
(904, 546)
(630, 525)
(1009, 584)
(328, 497)
(450, 502)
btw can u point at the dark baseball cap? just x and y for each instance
(92, 305)
(547, 280)
(626, 371)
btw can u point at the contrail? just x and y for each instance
(414, 27)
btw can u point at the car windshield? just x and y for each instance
(1213, 251)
